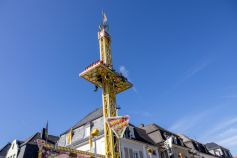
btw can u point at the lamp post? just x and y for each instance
(149, 151)
(95, 132)
(180, 155)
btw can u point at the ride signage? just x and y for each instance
(118, 125)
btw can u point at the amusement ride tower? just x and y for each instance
(102, 75)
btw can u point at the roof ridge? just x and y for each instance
(161, 128)
(5, 146)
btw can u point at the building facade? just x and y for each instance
(135, 143)
(159, 135)
(218, 150)
(198, 150)
(25, 149)
(14, 149)
(138, 142)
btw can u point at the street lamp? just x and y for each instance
(149, 151)
(95, 132)
(180, 155)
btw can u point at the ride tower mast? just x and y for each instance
(102, 75)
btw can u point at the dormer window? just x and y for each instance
(166, 135)
(127, 133)
(87, 132)
(131, 133)
(175, 140)
(181, 141)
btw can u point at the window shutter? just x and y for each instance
(130, 153)
(140, 154)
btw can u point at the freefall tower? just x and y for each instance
(102, 75)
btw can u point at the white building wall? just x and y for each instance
(100, 149)
(136, 147)
(13, 150)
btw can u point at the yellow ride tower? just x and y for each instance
(102, 74)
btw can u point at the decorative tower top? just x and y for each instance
(100, 71)
(104, 26)
(105, 42)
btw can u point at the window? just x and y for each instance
(226, 153)
(131, 132)
(130, 153)
(135, 155)
(164, 154)
(126, 152)
(87, 132)
(212, 152)
(217, 152)
(166, 135)
(229, 154)
(181, 141)
(175, 140)
(141, 154)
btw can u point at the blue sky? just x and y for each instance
(180, 55)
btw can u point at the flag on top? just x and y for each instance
(104, 18)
